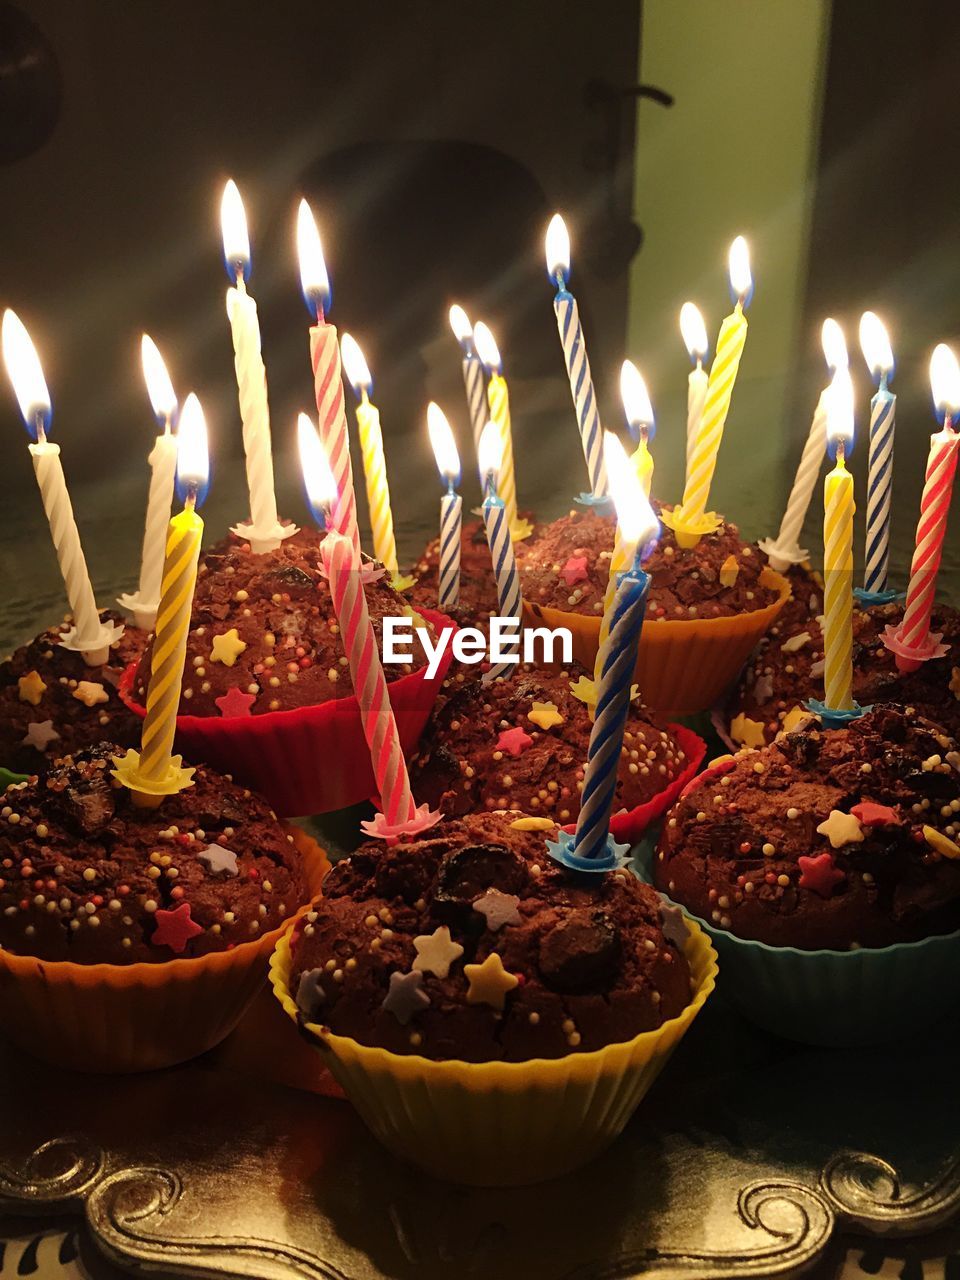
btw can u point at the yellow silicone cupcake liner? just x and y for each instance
(501, 1123)
(121, 1018)
(683, 666)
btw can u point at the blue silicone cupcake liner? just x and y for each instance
(837, 999)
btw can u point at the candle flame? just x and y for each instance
(25, 373)
(635, 397)
(487, 348)
(834, 344)
(355, 365)
(875, 343)
(693, 331)
(314, 280)
(557, 245)
(318, 478)
(490, 452)
(233, 227)
(193, 457)
(840, 408)
(460, 324)
(945, 380)
(444, 445)
(741, 277)
(163, 398)
(635, 516)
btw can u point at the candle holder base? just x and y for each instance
(835, 717)
(911, 657)
(601, 502)
(782, 557)
(378, 828)
(144, 611)
(95, 648)
(868, 598)
(265, 538)
(148, 793)
(688, 530)
(562, 849)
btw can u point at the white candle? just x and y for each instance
(88, 635)
(451, 507)
(694, 333)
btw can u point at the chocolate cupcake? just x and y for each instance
(787, 670)
(52, 703)
(520, 743)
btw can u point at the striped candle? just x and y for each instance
(694, 334)
(498, 399)
(883, 407)
(472, 369)
(575, 355)
(371, 448)
(497, 528)
(838, 510)
(451, 506)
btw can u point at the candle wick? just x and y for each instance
(561, 281)
(319, 306)
(41, 430)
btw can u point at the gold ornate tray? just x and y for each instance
(749, 1158)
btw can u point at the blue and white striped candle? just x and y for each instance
(451, 506)
(473, 381)
(575, 355)
(883, 412)
(497, 528)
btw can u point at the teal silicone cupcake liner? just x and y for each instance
(837, 999)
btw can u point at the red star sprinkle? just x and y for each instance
(174, 928)
(819, 874)
(513, 741)
(575, 570)
(876, 815)
(234, 704)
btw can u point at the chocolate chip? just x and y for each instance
(581, 953)
(464, 874)
(292, 578)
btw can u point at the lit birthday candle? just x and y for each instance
(328, 384)
(838, 511)
(785, 550)
(451, 505)
(498, 535)
(883, 409)
(472, 373)
(88, 635)
(359, 639)
(692, 520)
(592, 848)
(639, 414)
(154, 771)
(371, 446)
(913, 642)
(498, 398)
(163, 468)
(694, 333)
(575, 355)
(264, 532)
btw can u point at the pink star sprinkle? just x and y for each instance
(513, 741)
(174, 928)
(819, 874)
(876, 815)
(575, 570)
(234, 704)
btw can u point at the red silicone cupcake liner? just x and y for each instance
(309, 759)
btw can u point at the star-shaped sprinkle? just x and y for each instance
(749, 733)
(943, 844)
(310, 994)
(584, 690)
(955, 682)
(498, 909)
(876, 815)
(40, 734)
(674, 924)
(841, 828)
(729, 571)
(796, 719)
(489, 982)
(218, 860)
(31, 688)
(513, 741)
(406, 996)
(227, 648)
(436, 952)
(820, 874)
(796, 643)
(544, 715)
(575, 570)
(90, 693)
(532, 824)
(174, 929)
(235, 704)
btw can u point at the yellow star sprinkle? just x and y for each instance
(545, 715)
(31, 688)
(795, 718)
(729, 571)
(746, 731)
(89, 692)
(533, 824)
(227, 648)
(841, 828)
(489, 982)
(937, 840)
(585, 690)
(955, 682)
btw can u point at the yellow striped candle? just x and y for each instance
(638, 411)
(692, 521)
(498, 399)
(838, 510)
(154, 771)
(371, 446)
